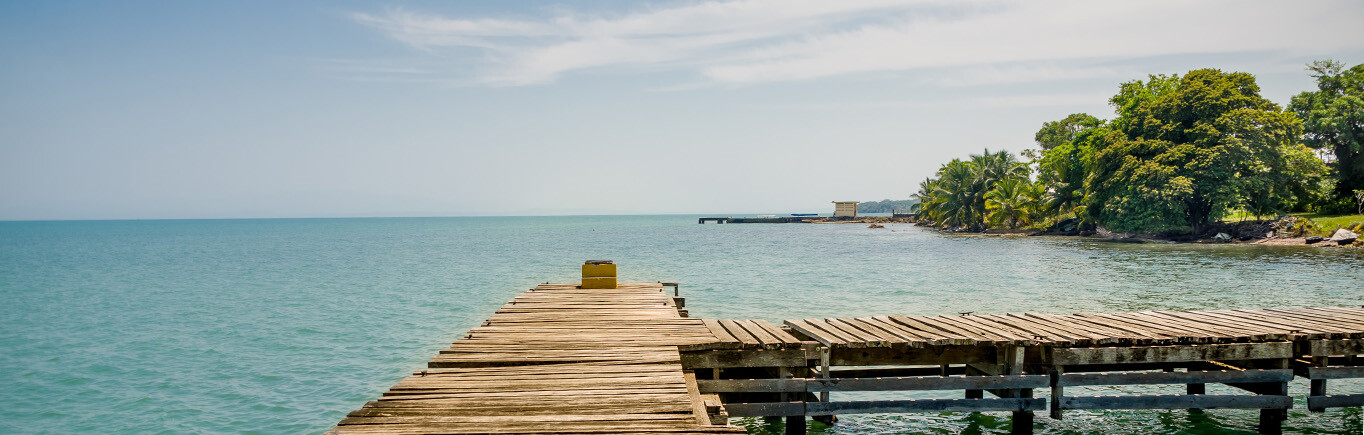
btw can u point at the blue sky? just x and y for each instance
(142, 110)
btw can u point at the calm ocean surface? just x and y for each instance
(284, 326)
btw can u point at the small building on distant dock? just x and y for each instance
(846, 209)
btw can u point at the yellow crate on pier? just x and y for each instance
(607, 270)
(600, 282)
(599, 274)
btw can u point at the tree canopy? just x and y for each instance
(1333, 120)
(1185, 148)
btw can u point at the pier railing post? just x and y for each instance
(824, 359)
(1271, 420)
(1057, 391)
(1022, 420)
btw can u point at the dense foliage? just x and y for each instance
(886, 206)
(1183, 151)
(1333, 117)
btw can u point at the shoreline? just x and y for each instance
(1274, 240)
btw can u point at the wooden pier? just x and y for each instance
(559, 359)
(556, 359)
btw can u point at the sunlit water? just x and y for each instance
(283, 326)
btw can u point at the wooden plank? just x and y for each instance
(769, 409)
(1346, 322)
(924, 405)
(777, 332)
(868, 337)
(879, 332)
(1144, 336)
(1222, 329)
(1190, 401)
(778, 409)
(724, 358)
(915, 338)
(738, 332)
(1142, 324)
(1184, 330)
(767, 340)
(938, 335)
(817, 334)
(1336, 401)
(1335, 372)
(1311, 326)
(996, 334)
(693, 392)
(1169, 354)
(912, 383)
(1335, 347)
(1192, 377)
(1271, 330)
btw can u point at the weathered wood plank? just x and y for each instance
(911, 383)
(1192, 401)
(1317, 403)
(1335, 372)
(1166, 354)
(778, 409)
(1335, 347)
(1193, 377)
(925, 405)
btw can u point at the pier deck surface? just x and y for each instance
(556, 359)
(1089, 329)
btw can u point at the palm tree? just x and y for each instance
(1008, 202)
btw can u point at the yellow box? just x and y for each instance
(603, 282)
(599, 271)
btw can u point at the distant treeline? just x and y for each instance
(1183, 151)
(886, 206)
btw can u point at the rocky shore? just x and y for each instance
(1286, 231)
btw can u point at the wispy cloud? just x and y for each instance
(1007, 101)
(755, 41)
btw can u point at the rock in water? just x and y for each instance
(1344, 237)
(1314, 239)
(875, 226)
(1222, 237)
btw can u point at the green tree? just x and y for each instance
(1008, 202)
(1185, 148)
(1056, 133)
(956, 198)
(1333, 119)
(1064, 167)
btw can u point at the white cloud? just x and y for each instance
(756, 41)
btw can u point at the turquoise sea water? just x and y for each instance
(284, 326)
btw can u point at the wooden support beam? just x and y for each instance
(698, 406)
(1192, 377)
(882, 406)
(1320, 403)
(1014, 357)
(897, 371)
(745, 358)
(1334, 373)
(1058, 390)
(1201, 401)
(913, 383)
(928, 355)
(1335, 347)
(1168, 354)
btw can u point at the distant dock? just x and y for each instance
(562, 359)
(759, 220)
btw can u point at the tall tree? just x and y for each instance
(1333, 119)
(1056, 133)
(1063, 168)
(1185, 149)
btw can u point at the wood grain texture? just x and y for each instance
(559, 359)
